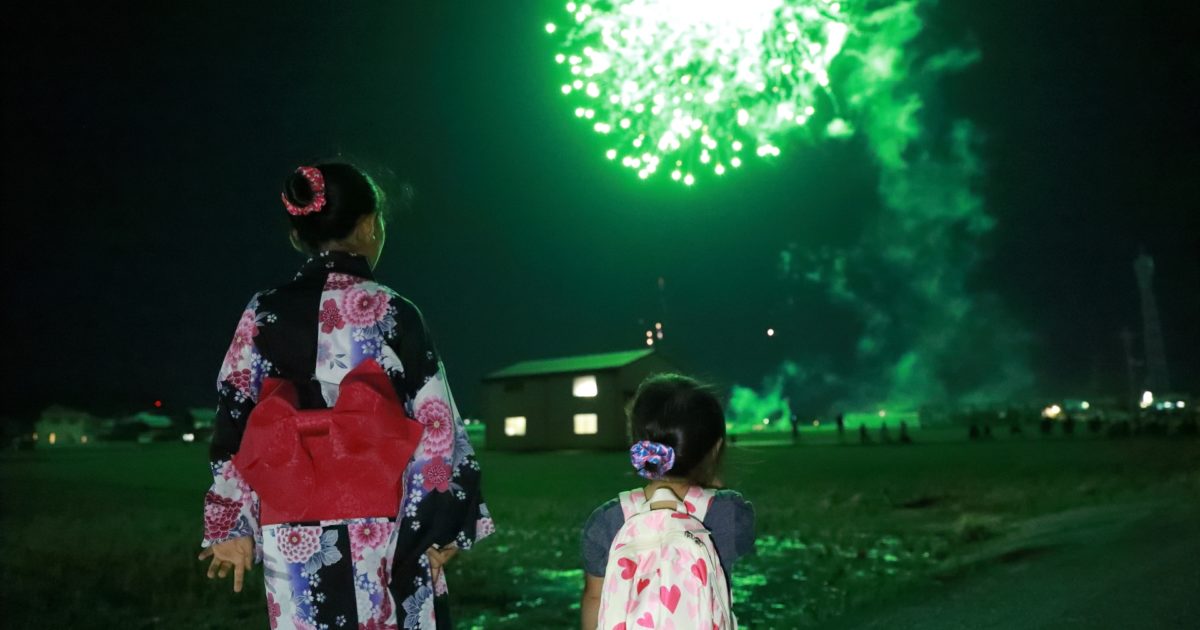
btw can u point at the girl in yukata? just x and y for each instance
(678, 430)
(339, 458)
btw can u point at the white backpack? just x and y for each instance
(663, 570)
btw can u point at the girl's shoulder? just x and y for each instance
(729, 506)
(607, 516)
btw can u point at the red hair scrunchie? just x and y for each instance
(316, 181)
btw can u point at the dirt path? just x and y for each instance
(1129, 566)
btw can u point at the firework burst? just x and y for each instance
(685, 87)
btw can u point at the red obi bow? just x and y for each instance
(328, 464)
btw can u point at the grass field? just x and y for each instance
(106, 536)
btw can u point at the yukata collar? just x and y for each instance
(328, 262)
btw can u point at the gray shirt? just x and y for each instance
(730, 518)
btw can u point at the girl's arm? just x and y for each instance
(589, 606)
(231, 526)
(445, 494)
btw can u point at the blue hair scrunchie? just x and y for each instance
(647, 452)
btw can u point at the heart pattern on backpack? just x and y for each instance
(628, 568)
(700, 570)
(670, 597)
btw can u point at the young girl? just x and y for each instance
(338, 455)
(678, 430)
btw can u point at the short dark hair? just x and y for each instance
(350, 194)
(682, 413)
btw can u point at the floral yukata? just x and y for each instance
(365, 573)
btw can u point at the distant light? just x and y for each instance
(766, 421)
(550, 27)
(514, 426)
(53, 438)
(649, 334)
(770, 332)
(83, 439)
(882, 413)
(585, 387)
(816, 423)
(586, 423)
(189, 437)
(1180, 404)
(658, 325)
(34, 436)
(1051, 412)
(1168, 405)
(659, 335)
(1086, 405)
(650, 342)
(1147, 399)
(158, 403)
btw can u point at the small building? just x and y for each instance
(567, 403)
(61, 426)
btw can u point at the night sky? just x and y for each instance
(145, 149)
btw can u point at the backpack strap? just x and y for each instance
(631, 502)
(697, 501)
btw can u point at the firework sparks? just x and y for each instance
(685, 87)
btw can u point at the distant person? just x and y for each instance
(987, 431)
(863, 436)
(841, 428)
(634, 567)
(904, 437)
(885, 436)
(338, 456)
(973, 433)
(795, 429)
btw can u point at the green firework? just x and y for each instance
(684, 87)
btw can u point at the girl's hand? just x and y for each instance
(236, 554)
(438, 559)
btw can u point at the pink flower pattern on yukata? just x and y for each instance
(228, 482)
(436, 474)
(241, 380)
(484, 527)
(438, 419)
(330, 317)
(341, 281)
(243, 337)
(367, 535)
(273, 611)
(298, 544)
(362, 308)
(220, 515)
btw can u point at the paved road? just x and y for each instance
(1134, 566)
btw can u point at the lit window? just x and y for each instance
(53, 438)
(514, 425)
(585, 387)
(585, 423)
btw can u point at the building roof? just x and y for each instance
(582, 363)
